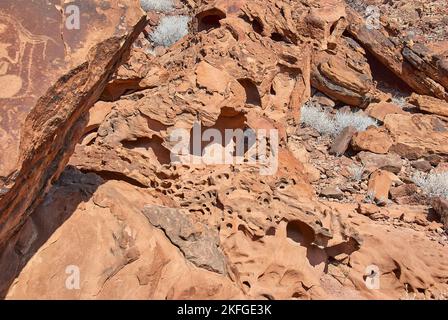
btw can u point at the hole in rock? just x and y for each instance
(116, 89)
(219, 142)
(112, 175)
(386, 79)
(300, 232)
(252, 93)
(290, 59)
(278, 37)
(257, 26)
(209, 19)
(333, 26)
(155, 125)
(150, 147)
(270, 231)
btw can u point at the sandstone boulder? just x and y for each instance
(341, 143)
(373, 139)
(380, 110)
(379, 186)
(334, 75)
(430, 104)
(416, 136)
(55, 71)
(422, 70)
(372, 161)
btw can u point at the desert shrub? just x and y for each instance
(313, 116)
(358, 121)
(399, 101)
(157, 5)
(433, 184)
(170, 30)
(356, 172)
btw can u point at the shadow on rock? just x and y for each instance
(72, 189)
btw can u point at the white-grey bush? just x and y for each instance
(358, 121)
(433, 184)
(157, 5)
(170, 30)
(318, 119)
(313, 116)
(356, 172)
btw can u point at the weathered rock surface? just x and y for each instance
(139, 220)
(373, 139)
(197, 242)
(342, 141)
(430, 104)
(424, 71)
(119, 254)
(380, 110)
(379, 186)
(50, 76)
(416, 136)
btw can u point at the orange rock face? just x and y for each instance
(417, 135)
(373, 139)
(430, 104)
(52, 73)
(379, 185)
(112, 183)
(379, 111)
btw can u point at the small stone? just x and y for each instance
(332, 193)
(379, 186)
(342, 141)
(367, 209)
(403, 194)
(422, 165)
(323, 100)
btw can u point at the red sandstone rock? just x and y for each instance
(380, 110)
(379, 185)
(54, 75)
(416, 136)
(430, 104)
(373, 139)
(137, 226)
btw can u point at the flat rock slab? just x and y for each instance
(55, 60)
(342, 141)
(197, 242)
